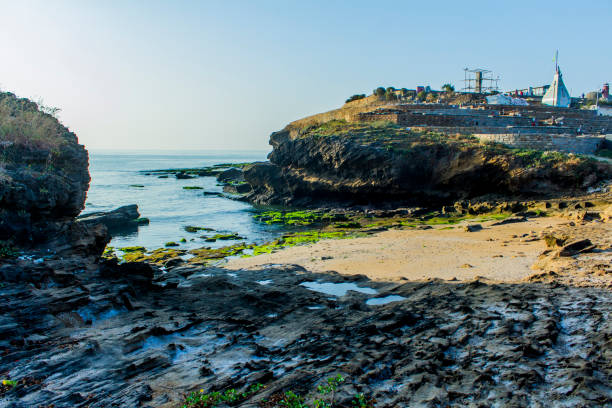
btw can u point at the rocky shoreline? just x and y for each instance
(99, 334)
(81, 327)
(120, 337)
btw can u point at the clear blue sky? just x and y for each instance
(224, 74)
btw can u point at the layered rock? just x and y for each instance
(44, 173)
(363, 163)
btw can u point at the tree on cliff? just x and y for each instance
(391, 96)
(448, 88)
(380, 91)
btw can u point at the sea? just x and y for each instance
(115, 176)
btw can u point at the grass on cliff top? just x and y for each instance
(25, 123)
(399, 139)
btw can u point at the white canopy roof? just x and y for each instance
(557, 94)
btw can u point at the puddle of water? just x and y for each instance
(201, 275)
(384, 300)
(89, 313)
(315, 307)
(337, 289)
(265, 282)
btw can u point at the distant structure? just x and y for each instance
(480, 81)
(557, 95)
(531, 91)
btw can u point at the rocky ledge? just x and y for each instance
(124, 336)
(362, 163)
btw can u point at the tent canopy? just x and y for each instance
(557, 94)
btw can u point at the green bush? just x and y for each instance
(355, 98)
(604, 153)
(448, 88)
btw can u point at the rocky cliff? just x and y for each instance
(383, 163)
(44, 173)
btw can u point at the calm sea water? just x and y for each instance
(164, 201)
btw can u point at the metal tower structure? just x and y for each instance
(480, 80)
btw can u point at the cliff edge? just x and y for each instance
(44, 173)
(380, 163)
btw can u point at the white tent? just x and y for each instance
(500, 99)
(557, 94)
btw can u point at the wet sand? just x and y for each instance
(502, 253)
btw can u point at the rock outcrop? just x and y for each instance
(44, 173)
(122, 219)
(366, 163)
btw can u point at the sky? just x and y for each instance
(209, 75)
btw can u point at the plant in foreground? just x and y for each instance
(212, 399)
(287, 399)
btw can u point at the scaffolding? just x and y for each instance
(480, 81)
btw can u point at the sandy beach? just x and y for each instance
(501, 253)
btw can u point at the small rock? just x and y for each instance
(472, 228)
(575, 247)
(510, 220)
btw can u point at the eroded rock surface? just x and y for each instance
(136, 336)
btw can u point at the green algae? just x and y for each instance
(157, 256)
(193, 188)
(299, 238)
(351, 224)
(298, 218)
(227, 237)
(171, 244)
(194, 229)
(132, 249)
(109, 252)
(206, 255)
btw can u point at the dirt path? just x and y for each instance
(500, 253)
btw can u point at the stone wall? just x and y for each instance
(562, 143)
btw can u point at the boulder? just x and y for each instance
(232, 174)
(183, 176)
(119, 220)
(242, 188)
